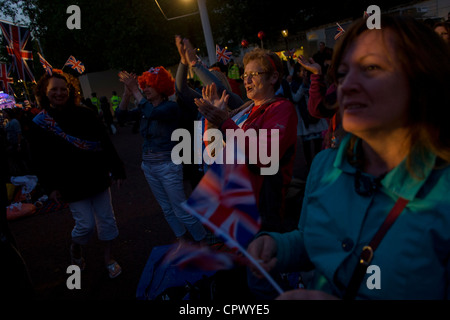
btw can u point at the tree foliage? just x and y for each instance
(134, 35)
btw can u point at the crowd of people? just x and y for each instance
(369, 117)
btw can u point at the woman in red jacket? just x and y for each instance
(262, 77)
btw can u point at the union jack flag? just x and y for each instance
(5, 80)
(154, 70)
(225, 202)
(339, 32)
(366, 15)
(290, 53)
(190, 256)
(80, 144)
(75, 64)
(45, 121)
(47, 67)
(222, 54)
(16, 41)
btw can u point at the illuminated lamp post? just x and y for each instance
(261, 36)
(285, 34)
(206, 28)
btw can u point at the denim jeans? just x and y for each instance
(166, 182)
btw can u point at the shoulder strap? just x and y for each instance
(367, 253)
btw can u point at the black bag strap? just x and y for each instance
(367, 253)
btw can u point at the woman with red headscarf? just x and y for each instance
(159, 118)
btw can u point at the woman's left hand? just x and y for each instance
(131, 82)
(215, 114)
(129, 79)
(209, 94)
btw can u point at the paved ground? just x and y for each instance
(44, 239)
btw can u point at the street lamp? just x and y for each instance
(285, 33)
(205, 24)
(207, 31)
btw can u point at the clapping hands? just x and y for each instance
(129, 79)
(213, 108)
(186, 51)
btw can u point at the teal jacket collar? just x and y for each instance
(398, 182)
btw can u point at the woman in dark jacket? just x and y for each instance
(160, 118)
(76, 162)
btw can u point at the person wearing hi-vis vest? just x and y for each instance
(96, 102)
(115, 101)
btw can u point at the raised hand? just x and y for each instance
(209, 93)
(180, 46)
(129, 79)
(131, 83)
(215, 113)
(191, 56)
(310, 65)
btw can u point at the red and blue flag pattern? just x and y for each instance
(195, 257)
(46, 122)
(47, 66)
(5, 79)
(223, 55)
(225, 202)
(339, 31)
(16, 42)
(75, 64)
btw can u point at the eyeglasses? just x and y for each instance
(252, 74)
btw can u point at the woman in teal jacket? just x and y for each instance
(394, 101)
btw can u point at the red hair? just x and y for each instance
(160, 79)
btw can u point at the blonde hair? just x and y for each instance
(269, 61)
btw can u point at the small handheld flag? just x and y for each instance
(75, 64)
(47, 67)
(222, 54)
(191, 256)
(224, 202)
(339, 32)
(290, 53)
(366, 15)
